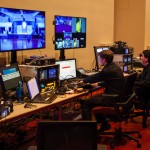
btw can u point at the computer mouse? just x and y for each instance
(27, 106)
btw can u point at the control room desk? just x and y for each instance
(20, 125)
(20, 111)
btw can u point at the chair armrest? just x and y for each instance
(110, 95)
(123, 104)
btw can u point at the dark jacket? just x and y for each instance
(143, 80)
(111, 75)
(142, 84)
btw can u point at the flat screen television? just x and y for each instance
(67, 135)
(70, 33)
(67, 69)
(98, 49)
(21, 29)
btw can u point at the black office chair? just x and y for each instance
(143, 105)
(122, 110)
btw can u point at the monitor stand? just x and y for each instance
(62, 54)
(13, 57)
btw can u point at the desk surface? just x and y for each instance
(20, 111)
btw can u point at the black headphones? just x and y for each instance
(61, 90)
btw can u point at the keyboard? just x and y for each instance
(45, 98)
(86, 86)
(51, 97)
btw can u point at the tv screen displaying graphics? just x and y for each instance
(48, 77)
(21, 29)
(70, 32)
(67, 69)
(98, 49)
(10, 77)
(66, 135)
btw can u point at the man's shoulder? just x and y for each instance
(113, 66)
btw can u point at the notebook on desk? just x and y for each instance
(36, 96)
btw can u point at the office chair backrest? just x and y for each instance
(128, 85)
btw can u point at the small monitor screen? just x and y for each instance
(46, 73)
(98, 49)
(43, 74)
(125, 59)
(10, 77)
(126, 50)
(125, 68)
(129, 59)
(66, 135)
(67, 69)
(52, 73)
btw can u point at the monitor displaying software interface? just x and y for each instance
(67, 69)
(10, 77)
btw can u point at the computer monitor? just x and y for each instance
(10, 77)
(98, 49)
(70, 33)
(67, 69)
(67, 135)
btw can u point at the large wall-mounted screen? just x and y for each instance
(21, 29)
(70, 32)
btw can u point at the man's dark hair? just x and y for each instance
(107, 54)
(146, 54)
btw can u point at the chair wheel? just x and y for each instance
(139, 145)
(144, 125)
(139, 135)
(112, 146)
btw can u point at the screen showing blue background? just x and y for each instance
(21, 29)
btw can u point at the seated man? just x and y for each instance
(142, 84)
(111, 77)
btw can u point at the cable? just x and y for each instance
(22, 57)
(93, 66)
(53, 38)
(8, 57)
(40, 53)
